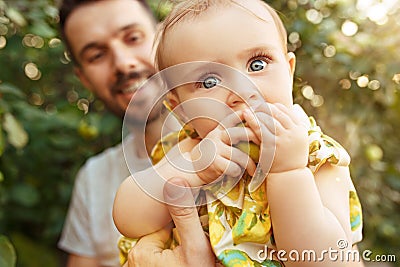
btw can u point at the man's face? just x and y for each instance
(112, 41)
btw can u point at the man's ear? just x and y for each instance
(291, 58)
(82, 77)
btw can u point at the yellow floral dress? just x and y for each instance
(238, 223)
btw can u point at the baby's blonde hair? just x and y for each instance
(185, 9)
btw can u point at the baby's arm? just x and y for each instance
(139, 212)
(136, 212)
(307, 212)
(310, 213)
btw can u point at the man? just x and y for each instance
(110, 42)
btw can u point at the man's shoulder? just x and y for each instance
(112, 156)
(106, 167)
(109, 154)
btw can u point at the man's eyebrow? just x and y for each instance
(96, 44)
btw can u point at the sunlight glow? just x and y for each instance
(349, 28)
(362, 81)
(378, 11)
(3, 42)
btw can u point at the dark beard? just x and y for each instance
(134, 122)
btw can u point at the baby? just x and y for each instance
(232, 83)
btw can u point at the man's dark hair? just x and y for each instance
(68, 6)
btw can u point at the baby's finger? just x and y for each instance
(231, 120)
(224, 166)
(234, 135)
(282, 114)
(301, 115)
(261, 123)
(241, 159)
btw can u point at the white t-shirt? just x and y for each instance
(89, 229)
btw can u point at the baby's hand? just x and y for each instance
(214, 156)
(283, 135)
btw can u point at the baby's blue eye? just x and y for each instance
(257, 65)
(210, 82)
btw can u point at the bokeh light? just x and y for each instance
(317, 101)
(36, 99)
(308, 92)
(396, 78)
(83, 104)
(31, 40)
(72, 96)
(349, 28)
(354, 75)
(362, 81)
(294, 37)
(378, 11)
(314, 16)
(54, 42)
(3, 42)
(330, 51)
(374, 85)
(345, 84)
(303, 2)
(32, 71)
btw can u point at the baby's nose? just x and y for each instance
(245, 97)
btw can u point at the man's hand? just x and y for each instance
(195, 249)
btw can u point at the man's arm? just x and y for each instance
(75, 238)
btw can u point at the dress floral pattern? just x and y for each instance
(238, 222)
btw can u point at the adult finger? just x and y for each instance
(148, 251)
(194, 244)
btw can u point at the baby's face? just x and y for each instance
(237, 38)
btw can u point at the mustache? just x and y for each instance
(123, 78)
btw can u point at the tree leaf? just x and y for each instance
(44, 30)
(6, 88)
(25, 195)
(16, 134)
(1, 141)
(16, 17)
(8, 256)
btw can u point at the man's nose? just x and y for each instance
(125, 59)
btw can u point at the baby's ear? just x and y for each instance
(173, 99)
(291, 58)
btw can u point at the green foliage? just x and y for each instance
(7, 253)
(49, 124)
(351, 85)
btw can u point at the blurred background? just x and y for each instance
(347, 77)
